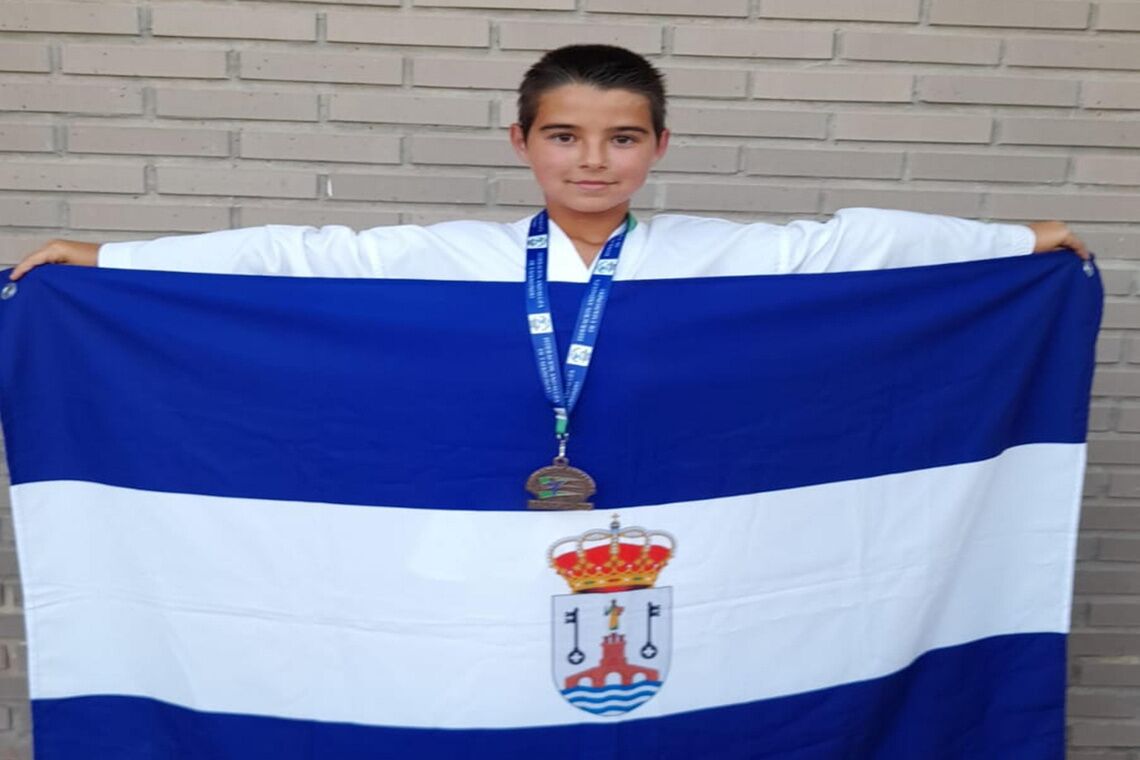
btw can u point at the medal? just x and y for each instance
(558, 485)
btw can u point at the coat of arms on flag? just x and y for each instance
(613, 633)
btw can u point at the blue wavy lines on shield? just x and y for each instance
(612, 700)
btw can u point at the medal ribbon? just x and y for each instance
(563, 383)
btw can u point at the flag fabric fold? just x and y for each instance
(285, 517)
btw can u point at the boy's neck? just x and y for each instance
(588, 231)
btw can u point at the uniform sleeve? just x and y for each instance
(865, 238)
(331, 251)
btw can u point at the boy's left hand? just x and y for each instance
(1054, 235)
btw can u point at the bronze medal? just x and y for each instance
(559, 486)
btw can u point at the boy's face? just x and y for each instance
(590, 149)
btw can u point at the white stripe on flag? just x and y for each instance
(401, 616)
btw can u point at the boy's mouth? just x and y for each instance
(591, 184)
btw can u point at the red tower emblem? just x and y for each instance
(612, 634)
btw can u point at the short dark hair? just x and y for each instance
(603, 66)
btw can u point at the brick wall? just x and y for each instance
(121, 120)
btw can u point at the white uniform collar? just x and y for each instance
(565, 265)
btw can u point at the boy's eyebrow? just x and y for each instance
(546, 127)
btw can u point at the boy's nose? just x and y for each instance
(593, 154)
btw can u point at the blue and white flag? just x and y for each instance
(285, 518)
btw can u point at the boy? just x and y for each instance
(591, 125)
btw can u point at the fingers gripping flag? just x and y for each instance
(285, 518)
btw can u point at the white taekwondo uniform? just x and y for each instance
(665, 246)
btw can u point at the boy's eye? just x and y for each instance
(624, 139)
(562, 137)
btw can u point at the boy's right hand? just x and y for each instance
(58, 252)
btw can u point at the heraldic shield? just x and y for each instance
(613, 635)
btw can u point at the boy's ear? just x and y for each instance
(662, 146)
(518, 142)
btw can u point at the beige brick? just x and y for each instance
(468, 73)
(1110, 673)
(78, 176)
(459, 150)
(842, 10)
(235, 104)
(408, 188)
(378, 3)
(535, 5)
(998, 90)
(262, 22)
(1129, 421)
(832, 85)
(322, 146)
(1057, 52)
(1100, 417)
(753, 42)
(671, 7)
(1111, 242)
(231, 180)
(517, 191)
(1118, 16)
(1044, 14)
(545, 35)
(358, 217)
(82, 18)
(1114, 581)
(1111, 518)
(449, 110)
(1106, 170)
(29, 138)
(148, 61)
(785, 162)
(1125, 485)
(117, 215)
(1100, 207)
(1109, 349)
(1117, 382)
(71, 98)
(910, 47)
(750, 122)
(521, 190)
(987, 167)
(24, 56)
(388, 28)
(356, 67)
(1116, 613)
(713, 196)
(15, 245)
(935, 128)
(1103, 132)
(712, 159)
(705, 82)
(1096, 482)
(1093, 643)
(950, 202)
(1111, 94)
(1097, 754)
(1120, 314)
(1117, 282)
(159, 141)
(31, 212)
(443, 213)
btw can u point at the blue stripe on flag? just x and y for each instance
(996, 698)
(425, 394)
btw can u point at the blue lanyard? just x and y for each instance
(563, 384)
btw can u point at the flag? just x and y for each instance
(835, 516)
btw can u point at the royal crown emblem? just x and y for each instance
(614, 601)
